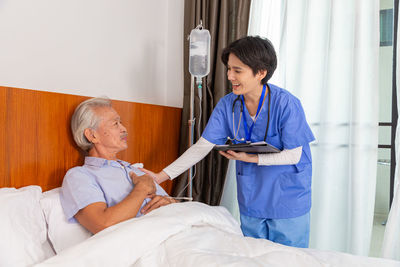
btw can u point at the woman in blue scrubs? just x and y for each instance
(274, 190)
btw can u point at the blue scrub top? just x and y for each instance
(274, 192)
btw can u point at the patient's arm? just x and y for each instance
(97, 216)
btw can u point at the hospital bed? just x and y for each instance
(37, 149)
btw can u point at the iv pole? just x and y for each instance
(191, 123)
(201, 47)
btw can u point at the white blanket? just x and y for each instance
(193, 234)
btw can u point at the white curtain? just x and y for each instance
(328, 57)
(391, 240)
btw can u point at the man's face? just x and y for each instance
(110, 135)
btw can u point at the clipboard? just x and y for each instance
(258, 147)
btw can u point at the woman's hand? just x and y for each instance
(242, 156)
(158, 177)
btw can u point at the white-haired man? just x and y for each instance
(105, 190)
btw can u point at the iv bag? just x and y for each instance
(199, 52)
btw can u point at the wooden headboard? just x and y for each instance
(36, 144)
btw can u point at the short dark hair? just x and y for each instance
(256, 52)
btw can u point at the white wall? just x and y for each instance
(126, 49)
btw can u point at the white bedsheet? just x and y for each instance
(193, 234)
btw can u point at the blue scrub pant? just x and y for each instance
(292, 232)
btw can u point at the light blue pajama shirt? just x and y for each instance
(98, 180)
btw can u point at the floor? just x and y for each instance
(377, 235)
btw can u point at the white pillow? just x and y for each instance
(62, 234)
(22, 226)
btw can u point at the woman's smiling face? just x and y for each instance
(242, 77)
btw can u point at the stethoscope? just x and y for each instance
(243, 107)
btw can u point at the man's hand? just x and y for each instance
(144, 183)
(156, 202)
(242, 156)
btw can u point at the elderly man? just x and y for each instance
(105, 190)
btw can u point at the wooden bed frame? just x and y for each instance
(37, 147)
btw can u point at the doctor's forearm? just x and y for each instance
(286, 157)
(191, 156)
